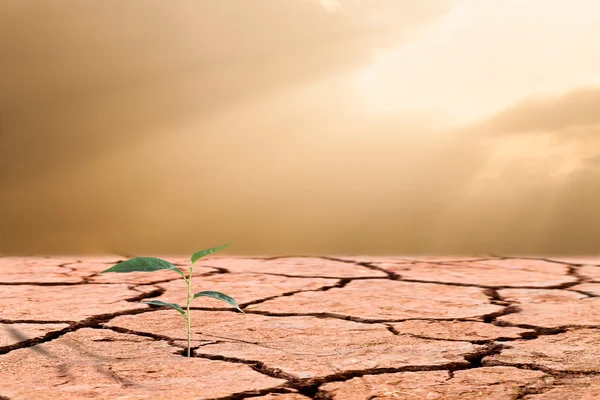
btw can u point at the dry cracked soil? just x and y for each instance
(363, 328)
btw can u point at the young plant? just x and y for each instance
(150, 264)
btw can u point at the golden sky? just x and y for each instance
(300, 127)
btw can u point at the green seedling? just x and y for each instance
(150, 264)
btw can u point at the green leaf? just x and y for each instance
(202, 253)
(164, 303)
(143, 264)
(219, 296)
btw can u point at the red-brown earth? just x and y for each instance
(364, 328)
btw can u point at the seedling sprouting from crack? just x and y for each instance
(150, 264)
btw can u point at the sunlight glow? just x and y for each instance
(486, 55)
(331, 5)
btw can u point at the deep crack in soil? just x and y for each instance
(312, 387)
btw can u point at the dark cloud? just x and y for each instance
(545, 196)
(79, 79)
(575, 223)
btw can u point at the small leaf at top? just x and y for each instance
(220, 296)
(202, 253)
(164, 303)
(143, 264)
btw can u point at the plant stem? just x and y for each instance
(189, 284)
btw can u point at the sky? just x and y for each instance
(300, 127)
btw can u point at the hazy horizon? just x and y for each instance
(300, 127)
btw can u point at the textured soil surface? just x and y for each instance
(363, 328)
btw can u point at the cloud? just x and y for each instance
(78, 81)
(593, 161)
(289, 174)
(576, 108)
(162, 129)
(541, 175)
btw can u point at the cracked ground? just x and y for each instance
(315, 327)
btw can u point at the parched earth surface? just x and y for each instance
(363, 328)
